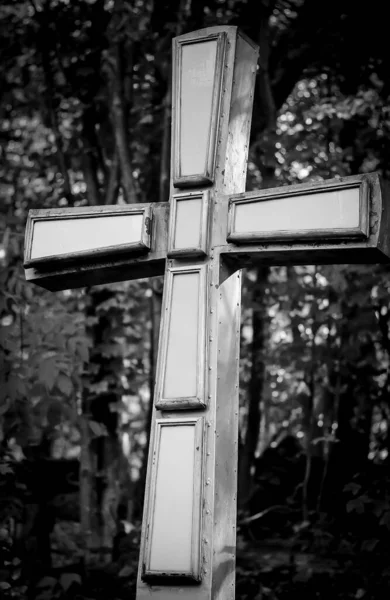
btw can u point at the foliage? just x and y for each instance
(85, 117)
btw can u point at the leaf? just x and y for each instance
(54, 412)
(4, 585)
(385, 520)
(67, 579)
(65, 384)
(48, 372)
(4, 406)
(46, 582)
(16, 386)
(5, 469)
(146, 120)
(355, 506)
(369, 545)
(303, 576)
(126, 571)
(353, 487)
(82, 349)
(379, 508)
(97, 429)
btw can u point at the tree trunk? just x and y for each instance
(354, 411)
(87, 502)
(249, 447)
(100, 456)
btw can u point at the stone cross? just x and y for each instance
(200, 240)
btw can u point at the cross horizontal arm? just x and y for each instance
(335, 221)
(70, 248)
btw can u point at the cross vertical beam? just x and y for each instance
(188, 533)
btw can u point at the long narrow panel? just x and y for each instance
(173, 542)
(197, 80)
(181, 361)
(326, 213)
(197, 84)
(75, 235)
(61, 235)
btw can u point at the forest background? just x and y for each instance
(85, 104)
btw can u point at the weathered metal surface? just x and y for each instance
(188, 225)
(181, 363)
(197, 89)
(219, 358)
(89, 270)
(67, 235)
(368, 242)
(175, 516)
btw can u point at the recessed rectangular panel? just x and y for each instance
(173, 541)
(181, 363)
(182, 344)
(327, 213)
(65, 236)
(71, 234)
(188, 225)
(197, 84)
(170, 544)
(331, 210)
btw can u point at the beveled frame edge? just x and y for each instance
(141, 246)
(359, 232)
(195, 575)
(201, 249)
(183, 402)
(208, 175)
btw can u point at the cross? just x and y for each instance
(200, 240)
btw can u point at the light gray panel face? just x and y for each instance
(338, 209)
(181, 367)
(172, 524)
(55, 237)
(188, 223)
(197, 83)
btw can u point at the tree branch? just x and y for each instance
(112, 184)
(263, 513)
(165, 147)
(90, 166)
(42, 46)
(120, 125)
(119, 104)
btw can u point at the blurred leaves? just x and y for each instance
(327, 346)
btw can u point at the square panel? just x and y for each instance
(172, 546)
(188, 225)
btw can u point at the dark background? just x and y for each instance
(85, 119)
